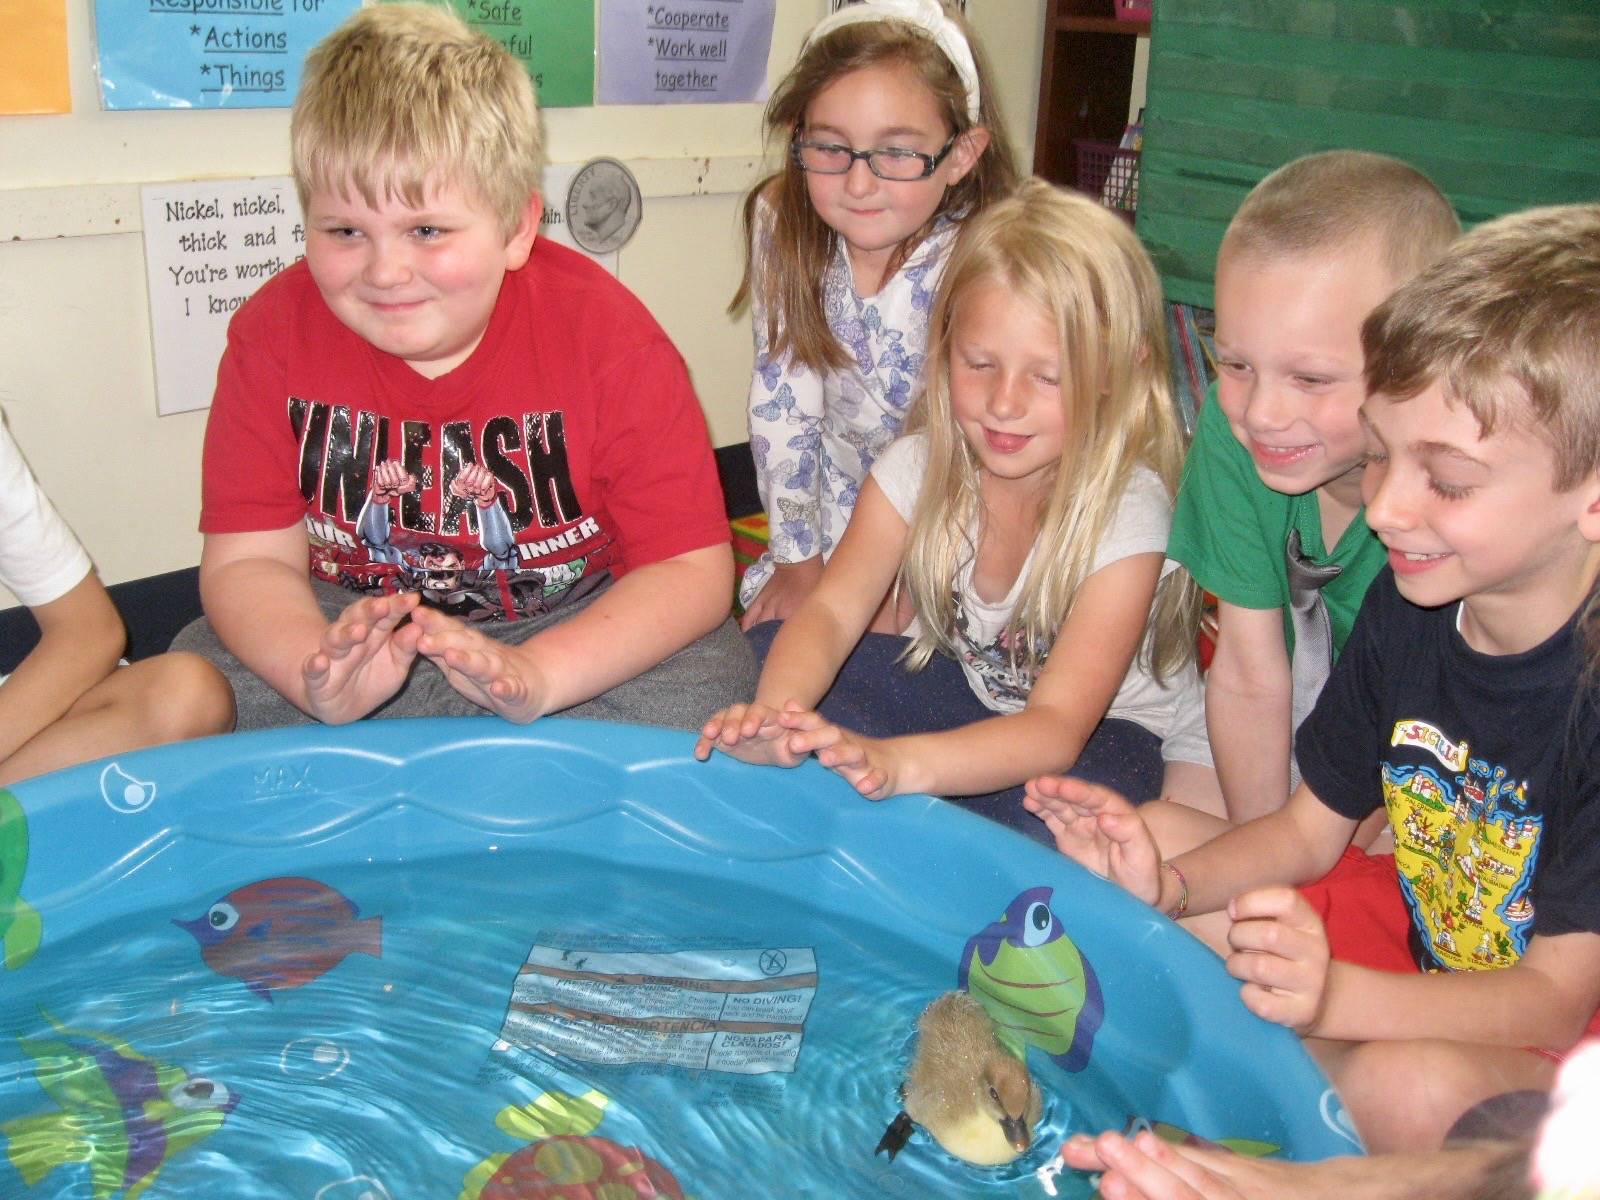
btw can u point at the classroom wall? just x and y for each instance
(77, 383)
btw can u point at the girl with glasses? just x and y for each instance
(893, 140)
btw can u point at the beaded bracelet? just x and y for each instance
(1182, 906)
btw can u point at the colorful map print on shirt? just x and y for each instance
(1465, 849)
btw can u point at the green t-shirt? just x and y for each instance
(1229, 529)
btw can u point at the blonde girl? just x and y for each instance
(1025, 514)
(891, 138)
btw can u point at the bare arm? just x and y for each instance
(813, 643)
(649, 614)
(1081, 677)
(1248, 710)
(1544, 999)
(1099, 829)
(784, 591)
(1298, 843)
(80, 639)
(258, 598)
(1146, 1168)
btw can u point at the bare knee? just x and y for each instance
(1178, 828)
(180, 696)
(1406, 1095)
(1195, 786)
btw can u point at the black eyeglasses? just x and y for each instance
(901, 166)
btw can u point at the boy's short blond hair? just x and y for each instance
(404, 96)
(1336, 198)
(1508, 321)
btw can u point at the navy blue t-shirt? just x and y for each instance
(1489, 766)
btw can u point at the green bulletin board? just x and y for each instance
(1497, 100)
(554, 39)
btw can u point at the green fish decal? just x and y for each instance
(20, 927)
(1176, 1135)
(121, 1113)
(1039, 989)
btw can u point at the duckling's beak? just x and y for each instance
(1017, 1132)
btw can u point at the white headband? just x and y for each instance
(925, 15)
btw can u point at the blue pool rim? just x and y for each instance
(160, 827)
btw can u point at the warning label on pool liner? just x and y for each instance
(742, 1011)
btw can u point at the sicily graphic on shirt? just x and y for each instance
(1465, 847)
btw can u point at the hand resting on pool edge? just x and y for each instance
(752, 733)
(758, 733)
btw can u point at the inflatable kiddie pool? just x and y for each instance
(413, 959)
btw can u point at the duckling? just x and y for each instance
(972, 1095)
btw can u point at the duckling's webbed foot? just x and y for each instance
(895, 1137)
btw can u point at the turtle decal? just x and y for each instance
(565, 1160)
(20, 926)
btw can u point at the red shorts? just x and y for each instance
(1367, 920)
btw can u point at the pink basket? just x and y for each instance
(1133, 10)
(1108, 173)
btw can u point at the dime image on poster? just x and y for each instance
(603, 206)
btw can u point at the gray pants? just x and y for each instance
(680, 693)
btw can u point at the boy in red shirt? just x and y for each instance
(481, 434)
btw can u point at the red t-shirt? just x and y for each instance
(575, 401)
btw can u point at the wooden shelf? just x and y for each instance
(1102, 25)
(1084, 81)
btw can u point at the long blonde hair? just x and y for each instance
(788, 268)
(1081, 265)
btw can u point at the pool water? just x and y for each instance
(416, 961)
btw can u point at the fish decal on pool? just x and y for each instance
(1036, 985)
(20, 927)
(281, 933)
(121, 1113)
(566, 1160)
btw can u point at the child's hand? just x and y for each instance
(487, 672)
(1144, 1167)
(1098, 828)
(870, 765)
(790, 584)
(751, 733)
(1280, 951)
(364, 658)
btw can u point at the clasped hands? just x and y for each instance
(787, 736)
(367, 651)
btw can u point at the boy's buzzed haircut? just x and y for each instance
(1515, 301)
(404, 96)
(1333, 198)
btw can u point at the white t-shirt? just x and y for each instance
(1174, 710)
(40, 559)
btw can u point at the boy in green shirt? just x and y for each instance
(1276, 461)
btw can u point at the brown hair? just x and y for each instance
(787, 268)
(1518, 300)
(1332, 199)
(1509, 323)
(404, 96)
